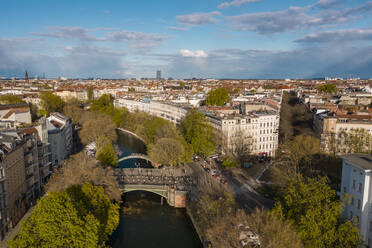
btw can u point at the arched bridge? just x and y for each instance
(131, 133)
(135, 155)
(172, 184)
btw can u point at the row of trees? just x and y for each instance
(166, 144)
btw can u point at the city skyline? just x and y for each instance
(211, 39)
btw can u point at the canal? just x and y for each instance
(144, 222)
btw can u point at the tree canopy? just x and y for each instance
(51, 102)
(328, 88)
(106, 154)
(315, 211)
(79, 169)
(198, 133)
(10, 99)
(217, 97)
(82, 216)
(96, 126)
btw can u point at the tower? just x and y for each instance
(26, 77)
(158, 75)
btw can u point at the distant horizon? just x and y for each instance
(148, 78)
(185, 39)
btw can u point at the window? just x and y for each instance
(353, 184)
(370, 226)
(360, 187)
(352, 201)
(351, 214)
(359, 205)
(357, 219)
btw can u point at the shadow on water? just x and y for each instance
(144, 222)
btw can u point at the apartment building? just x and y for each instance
(332, 127)
(356, 182)
(168, 111)
(59, 136)
(258, 130)
(16, 179)
(4, 219)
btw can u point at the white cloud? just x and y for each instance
(235, 3)
(295, 18)
(194, 54)
(344, 35)
(135, 39)
(177, 28)
(330, 3)
(199, 18)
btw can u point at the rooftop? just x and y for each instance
(363, 161)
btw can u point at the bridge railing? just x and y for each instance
(166, 171)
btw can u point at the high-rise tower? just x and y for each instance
(158, 75)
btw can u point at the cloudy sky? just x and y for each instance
(186, 38)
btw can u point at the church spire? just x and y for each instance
(26, 77)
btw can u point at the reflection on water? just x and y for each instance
(129, 144)
(145, 223)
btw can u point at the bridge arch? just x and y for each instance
(136, 156)
(160, 190)
(133, 134)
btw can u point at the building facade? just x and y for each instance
(356, 182)
(59, 137)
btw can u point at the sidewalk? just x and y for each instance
(15, 230)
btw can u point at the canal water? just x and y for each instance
(144, 221)
(129, 144)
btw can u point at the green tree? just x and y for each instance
(217, 97)
(81, 216)
(106, 154)
(51, 103)
(104, 101)
(328, 88)
(166, 151)
(315, 211)
(90, 93)
(198, 133)
(10, 99)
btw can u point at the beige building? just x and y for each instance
(256, 131)
(17, 180)
(332, 129)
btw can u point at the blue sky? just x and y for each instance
(184, 39)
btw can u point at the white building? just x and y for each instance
(171, 112)
(59, 136)
(17, 113)
(356, 182)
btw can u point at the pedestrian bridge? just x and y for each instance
(172, 184)
(135, 156)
